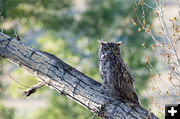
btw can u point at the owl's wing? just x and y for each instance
(128, 92)
(127, 74)
(125, 84)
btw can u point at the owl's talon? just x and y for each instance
(102, 106)
(103, 89)
(100, 109)
(131, 105)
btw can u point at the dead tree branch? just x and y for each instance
(68, 81)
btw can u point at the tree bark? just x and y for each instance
(68, 81)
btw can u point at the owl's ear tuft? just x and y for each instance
(101, 42)
(119, 43)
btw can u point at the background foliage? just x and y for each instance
(60, 28)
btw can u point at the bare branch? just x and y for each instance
(159, 7)
(149, 6)
(2, 27)
(33, 89)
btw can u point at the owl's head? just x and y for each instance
(110, 47)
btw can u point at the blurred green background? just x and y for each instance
(70, 30)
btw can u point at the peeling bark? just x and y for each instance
(68, 81)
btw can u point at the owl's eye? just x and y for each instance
(106, 49)
(115, 49)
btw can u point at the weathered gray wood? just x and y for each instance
(68, 81)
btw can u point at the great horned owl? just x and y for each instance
(115, 74)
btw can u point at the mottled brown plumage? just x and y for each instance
(116, 77)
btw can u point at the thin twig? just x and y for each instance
(18, 81)
(178, 3)
(159, 6)
(15, 27)
(149, 6)
(155, 72)
(170, 68)
(2, 28)
(94, 115)
(149, 33)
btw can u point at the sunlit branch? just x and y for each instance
(149, 6)
(159, 7)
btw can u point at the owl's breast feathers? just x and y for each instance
(127, 73)
(115, 64)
